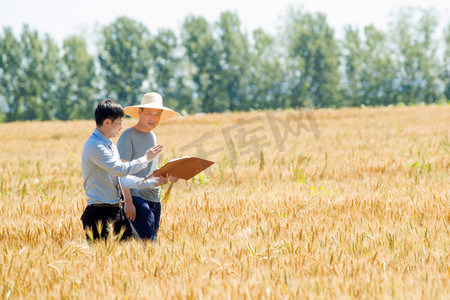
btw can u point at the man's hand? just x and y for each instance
(128, 206)
(173, 179)
(153, 152)
(130, 210)
(160, 181)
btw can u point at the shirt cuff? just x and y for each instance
(142, 160)
(133, 182)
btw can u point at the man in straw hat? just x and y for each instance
(101, 168)
(143, 207)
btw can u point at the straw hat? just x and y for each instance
(150, 100)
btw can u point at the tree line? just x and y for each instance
(217, 67)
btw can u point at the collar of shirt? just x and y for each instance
(102, 137)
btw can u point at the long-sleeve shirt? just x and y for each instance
(101, 166)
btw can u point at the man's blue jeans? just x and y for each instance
(148, 215)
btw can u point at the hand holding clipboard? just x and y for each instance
(184, 167)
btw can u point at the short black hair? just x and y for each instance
(108, 109)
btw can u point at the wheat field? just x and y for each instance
(346, 203)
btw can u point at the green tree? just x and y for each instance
(369, 69)
(10, 75)
(234, 57)
(51, 66)
(77, 92)
(30, 85)
(202, 50)
(313, 59)
(379, 73)
(30, 72)
(124, 59)
(445, 71)
(416, 54)
(354, 57)
(169, 71)
(266, 73)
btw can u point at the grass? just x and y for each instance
(362, 211)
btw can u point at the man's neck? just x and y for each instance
(139, 127)
(103, 131)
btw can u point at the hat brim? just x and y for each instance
(133, 111)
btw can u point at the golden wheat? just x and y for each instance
(362, 211)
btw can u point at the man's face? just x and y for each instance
(115, 127)
(149, 118)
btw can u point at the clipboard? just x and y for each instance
(184, 167)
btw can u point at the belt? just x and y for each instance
(105, 205)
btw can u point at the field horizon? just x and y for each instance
(344, 203)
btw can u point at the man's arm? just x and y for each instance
(103, 157)
(134, 182)
(128, 205)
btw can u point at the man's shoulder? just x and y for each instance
(94, 142)
(128, 131)
(127, 134)
(92, 147)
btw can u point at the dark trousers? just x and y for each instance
(148, 215)
(92, 215)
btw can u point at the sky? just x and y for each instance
(61, 18)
